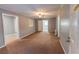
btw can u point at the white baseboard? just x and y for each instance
(62, 46)
(2, 46)
(26, 35)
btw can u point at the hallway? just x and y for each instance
(62, 20)
(37, 43)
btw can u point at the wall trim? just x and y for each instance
(26, 35)
(62, 46)
(2, 46)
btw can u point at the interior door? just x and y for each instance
(64, 28)
(74, 33)
(40, 25)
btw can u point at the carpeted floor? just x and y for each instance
(37, 43)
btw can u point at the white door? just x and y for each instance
(74, 33)
(40, 25)
(64, 28)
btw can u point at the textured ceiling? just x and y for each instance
(31, 9)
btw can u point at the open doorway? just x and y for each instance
(45, 25)
(11, 28)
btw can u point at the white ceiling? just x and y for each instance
(31, 9)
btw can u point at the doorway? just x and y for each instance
(11, 28)
(45, 25)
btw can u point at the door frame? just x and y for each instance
(17, 23)
(40, 25)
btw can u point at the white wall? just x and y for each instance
(25, 29)
(52, 25)
(23, 25)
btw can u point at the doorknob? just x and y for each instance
(68, 40)
(68, 37)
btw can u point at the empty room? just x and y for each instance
(39, 29)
